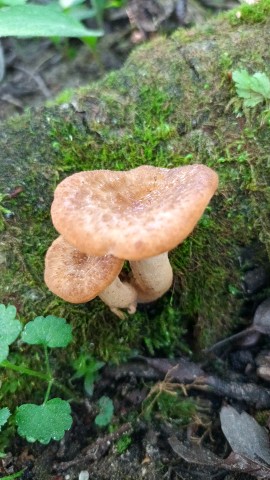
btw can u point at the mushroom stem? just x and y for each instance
(151, 277)
(120, 295)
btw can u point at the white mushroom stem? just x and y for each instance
(151, 277)
(120, 295)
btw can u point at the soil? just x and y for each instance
(37, 71)
(139, 442)
(135, 445)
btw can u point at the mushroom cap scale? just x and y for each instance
(132, 214)
(76, 277)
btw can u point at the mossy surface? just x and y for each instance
(167, 107)
(248, 14)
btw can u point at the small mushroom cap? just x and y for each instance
(133, 214)
(76, 277)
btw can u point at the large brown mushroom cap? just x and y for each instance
(133, 214)
(76, 277)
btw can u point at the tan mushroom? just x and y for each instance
(78, 278)
(136, 215)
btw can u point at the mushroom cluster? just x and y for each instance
(105, 217)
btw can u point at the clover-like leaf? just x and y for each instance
(10, 328)
(49, 331)
(4, 415)
(106, 411)
(252, 88)
(45, 422)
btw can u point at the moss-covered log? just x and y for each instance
(171, 104)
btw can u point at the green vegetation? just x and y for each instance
(256, 13)
(176, 407)
(123, 443)
(13, 475)
(106, 409)
(86, 367)
(3, 211)
(4, 415)
(253, 90)
(63, 19)
(24, 20)
(169, 401)
(45, 422)
(50, 419)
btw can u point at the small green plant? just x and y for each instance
(253, 90)
(52, 418)
(106, 410)
(168, 332)
(87, 367)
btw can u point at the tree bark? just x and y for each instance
(170, 104)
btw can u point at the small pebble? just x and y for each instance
(84, 475)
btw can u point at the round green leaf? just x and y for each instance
(4, 415)
(49, 331)
(45, 422)
(9, 327)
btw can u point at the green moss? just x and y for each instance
(141, 142)
(185, 36)
(63, 97)
(262, 417)
(123, 443)
(256, 13)
(225, 62)
(169, 405)
(176, 407)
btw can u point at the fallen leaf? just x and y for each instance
(248, 440)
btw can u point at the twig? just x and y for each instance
(96, 450)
